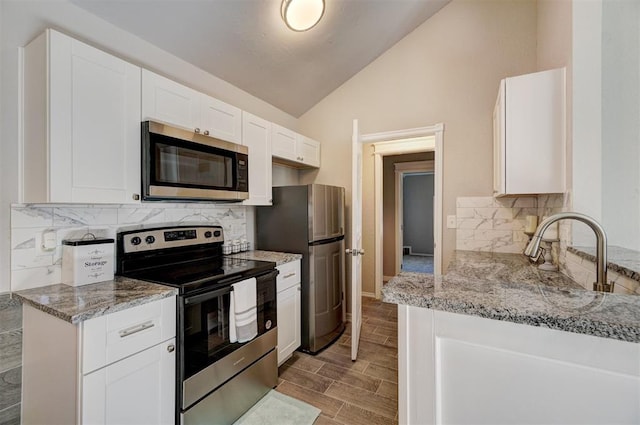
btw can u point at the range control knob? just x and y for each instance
(207, 234)
(150, 239)
(135, 240)
(217, 233)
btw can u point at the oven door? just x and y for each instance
(207, 358)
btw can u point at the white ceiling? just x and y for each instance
(246, 43)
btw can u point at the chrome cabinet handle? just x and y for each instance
(206, 132)
(197, 130)
(136, 197)
(286, 276)
(171, 348)
(135, 329)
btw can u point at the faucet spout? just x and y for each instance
(533, 248)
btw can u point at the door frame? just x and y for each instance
(421, 139)
(401, 169)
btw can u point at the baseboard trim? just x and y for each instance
(387, 278)
(368, 294)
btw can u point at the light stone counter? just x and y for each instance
(77, 304)
(508, 287)
(621, 260)
(279, 258)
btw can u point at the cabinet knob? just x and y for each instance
(136, 197)
(206, 132)
(197, 130)
(171, 348)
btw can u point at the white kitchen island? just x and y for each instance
(495, 341)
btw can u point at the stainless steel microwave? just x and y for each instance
(180, 165)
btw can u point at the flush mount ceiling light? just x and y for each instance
(302, 15)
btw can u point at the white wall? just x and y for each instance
(447, 70)
(21, 21)
(587, 118)
(620, 123)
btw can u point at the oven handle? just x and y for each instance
(196, 299)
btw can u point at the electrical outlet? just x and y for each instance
(451, 222)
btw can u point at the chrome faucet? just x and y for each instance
(533, 248)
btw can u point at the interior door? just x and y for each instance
(356, 251)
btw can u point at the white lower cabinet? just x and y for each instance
(289, 313)
(113, 369)
(136, 390)
(455, 368)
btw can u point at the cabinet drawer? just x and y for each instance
(289, 275)
(112, 337)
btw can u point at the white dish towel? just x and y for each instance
(243, 312)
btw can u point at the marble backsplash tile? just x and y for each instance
(497, 224)
(32, 267)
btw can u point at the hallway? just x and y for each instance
(351, 393)
(417, 263)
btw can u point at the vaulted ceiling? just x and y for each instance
(246, 43)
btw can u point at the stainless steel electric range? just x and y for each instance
(217, 380)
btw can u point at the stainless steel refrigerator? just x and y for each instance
(309, 220)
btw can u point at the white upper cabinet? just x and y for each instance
(529, 134)
(284, 143)
(295, 149)
(81, 124)
(170, 102)
(256, 135)
(221, 120)
(308, 151)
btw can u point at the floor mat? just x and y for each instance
(279, 409)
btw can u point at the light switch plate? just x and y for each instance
(451, 222)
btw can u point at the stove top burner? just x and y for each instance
(193, 276)
(188, 257)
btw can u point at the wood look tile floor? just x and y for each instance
(351, 393)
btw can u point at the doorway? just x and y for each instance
(424, 139)
(414, 210)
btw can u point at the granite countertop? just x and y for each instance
(77, 304)
(279, 258)
(621, 260)
(508, 287)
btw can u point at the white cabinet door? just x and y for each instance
(220, 120)
(529, 134)
(93, 132)
(284, 143)
(136, 390)
(499, 143)
(455, 368)
(308, 151)
(289, 339)
(256, 135)
(167, 101)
